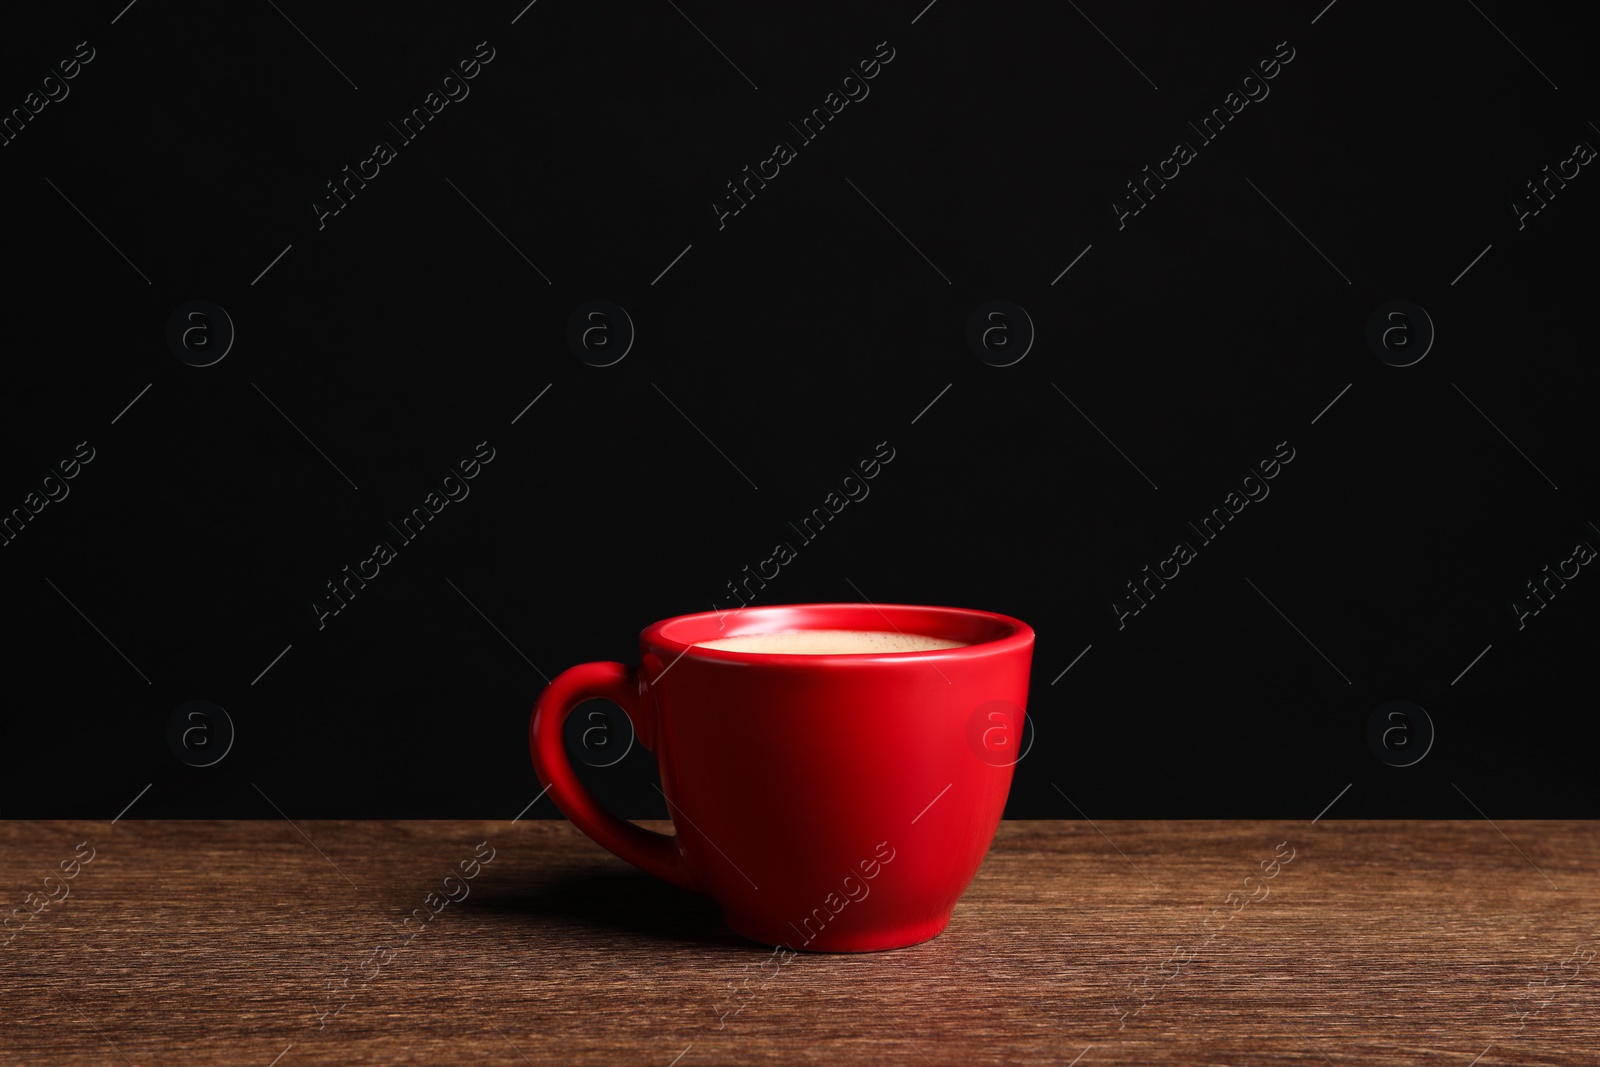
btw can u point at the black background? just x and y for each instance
(796, 338)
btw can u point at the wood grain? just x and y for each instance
(1378, 943)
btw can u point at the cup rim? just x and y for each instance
(659, 636)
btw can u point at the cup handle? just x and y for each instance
(651, 852)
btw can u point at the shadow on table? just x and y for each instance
(621, 900)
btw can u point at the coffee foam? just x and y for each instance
(830, 642)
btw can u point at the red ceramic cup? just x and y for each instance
(836, 803)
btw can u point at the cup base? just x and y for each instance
(829, 941)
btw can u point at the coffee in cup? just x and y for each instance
(830, 642)
(831, 770)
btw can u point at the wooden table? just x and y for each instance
(234, 943)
